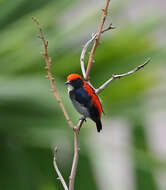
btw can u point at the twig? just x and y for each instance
(51, 79)
(75, 128)
(86, 47)
(83, 54)
(90, 61)
(60, 177)
(121, 75)
(76, 155)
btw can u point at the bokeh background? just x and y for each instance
(130, 152)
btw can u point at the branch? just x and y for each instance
(90, 61)
(83, 54)
(76, 155)
(60, 177)
(75, 128)
(86, 47)
(121, 75)
(51, 79)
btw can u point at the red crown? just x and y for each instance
(73, 76)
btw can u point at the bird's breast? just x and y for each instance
(79, 103)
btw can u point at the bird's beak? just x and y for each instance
(67, 82)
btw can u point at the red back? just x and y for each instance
(95, 98)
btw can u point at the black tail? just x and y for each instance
(98, 125)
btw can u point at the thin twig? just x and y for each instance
(75, 128)
(121, 75)
(60, 177)
(90, 61)
(84, 50)
(51, 79)
(83, 54)
(76, 155)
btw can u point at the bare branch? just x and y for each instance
(86, 47)
(90, 61)
(51, 79)
(121, 75)
(75, 128)
(76, 155)
(60, 177)
(83, 54)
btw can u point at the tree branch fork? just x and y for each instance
(85, 72)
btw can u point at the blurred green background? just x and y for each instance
(130, 152)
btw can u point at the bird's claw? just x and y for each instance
(83, 118)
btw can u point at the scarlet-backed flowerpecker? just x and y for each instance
(84, 99)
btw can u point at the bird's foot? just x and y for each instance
(83, 118)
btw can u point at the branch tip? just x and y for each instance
(55, 149)
(113, 77)
(111, 26)
(90, 61)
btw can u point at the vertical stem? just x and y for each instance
(90, 61)
(75, 160)
(60, 177)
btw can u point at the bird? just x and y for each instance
(84, 99)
